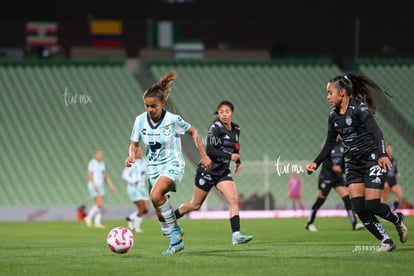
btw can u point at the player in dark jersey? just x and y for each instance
(366, 160)
(222, 148)
(332, 176)
(391, 184)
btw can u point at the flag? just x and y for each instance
(41, 34)
(106, 33)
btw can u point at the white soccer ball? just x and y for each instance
(120, 240)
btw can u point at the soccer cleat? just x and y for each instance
(88, 221)
(169, 235)
(172, 249)
(138, 230)
(402, 228)
(358, 226)
(240, 238)
(99, 226)
(130, 225)
(311, 228)
(176, 241)
(387, 246)
(176, 235)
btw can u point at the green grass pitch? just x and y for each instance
(280, 247)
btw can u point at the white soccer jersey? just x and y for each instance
(136, 173)
(163, 141)
(98, 171)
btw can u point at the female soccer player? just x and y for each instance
(332, 176)
(391, 184)
(160, 131)
(366, 160)
(135, 177)
(222, 148)
(96, 178)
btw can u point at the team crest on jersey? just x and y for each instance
(167, 131)
(348, 121)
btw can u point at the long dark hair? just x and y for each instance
(359, 87)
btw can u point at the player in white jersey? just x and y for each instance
(135, 177)
(96, 178)
(160, 131)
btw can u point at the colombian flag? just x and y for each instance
(106, 33)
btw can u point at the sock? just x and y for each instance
(382, 210)
(133, 215)
(137, 222)
(165, 229)
(315, 207)
(373, 225)
(235, 223)
(98, 216)
(168, 214)
(92, 212)
(396, 205)
(349, 211)
(368, 218)
(177, 214)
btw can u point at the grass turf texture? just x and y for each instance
(280, 247)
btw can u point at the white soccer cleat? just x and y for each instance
(311, 228)
(100, 226)
(240, 238)
(402, 228)
(387, 246)
(358, 226)
(130, 225)
(88, 221)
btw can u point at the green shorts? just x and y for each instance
(137, 192)
(173, 173)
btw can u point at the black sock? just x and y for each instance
(349, 210)
(396, 205)
(177, 214)
(383, 210)
(368, 218)
(235, 223)
(315, 207)
(372, 224)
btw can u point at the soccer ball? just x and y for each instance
(120, 240)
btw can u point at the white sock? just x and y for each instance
(165, 229)
(168, 214)
(137, 222)
(133, 215)
(98, 216)
(92, 212)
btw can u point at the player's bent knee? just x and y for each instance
(373, 204)
(358, 204)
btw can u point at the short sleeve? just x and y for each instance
(181, 126)
(135, 131)
(91, 166)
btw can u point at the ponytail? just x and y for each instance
(161, 89)
(359, 87)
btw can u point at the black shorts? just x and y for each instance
(365, 170)
(206, 181)
(329, 180)
(392, 181)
